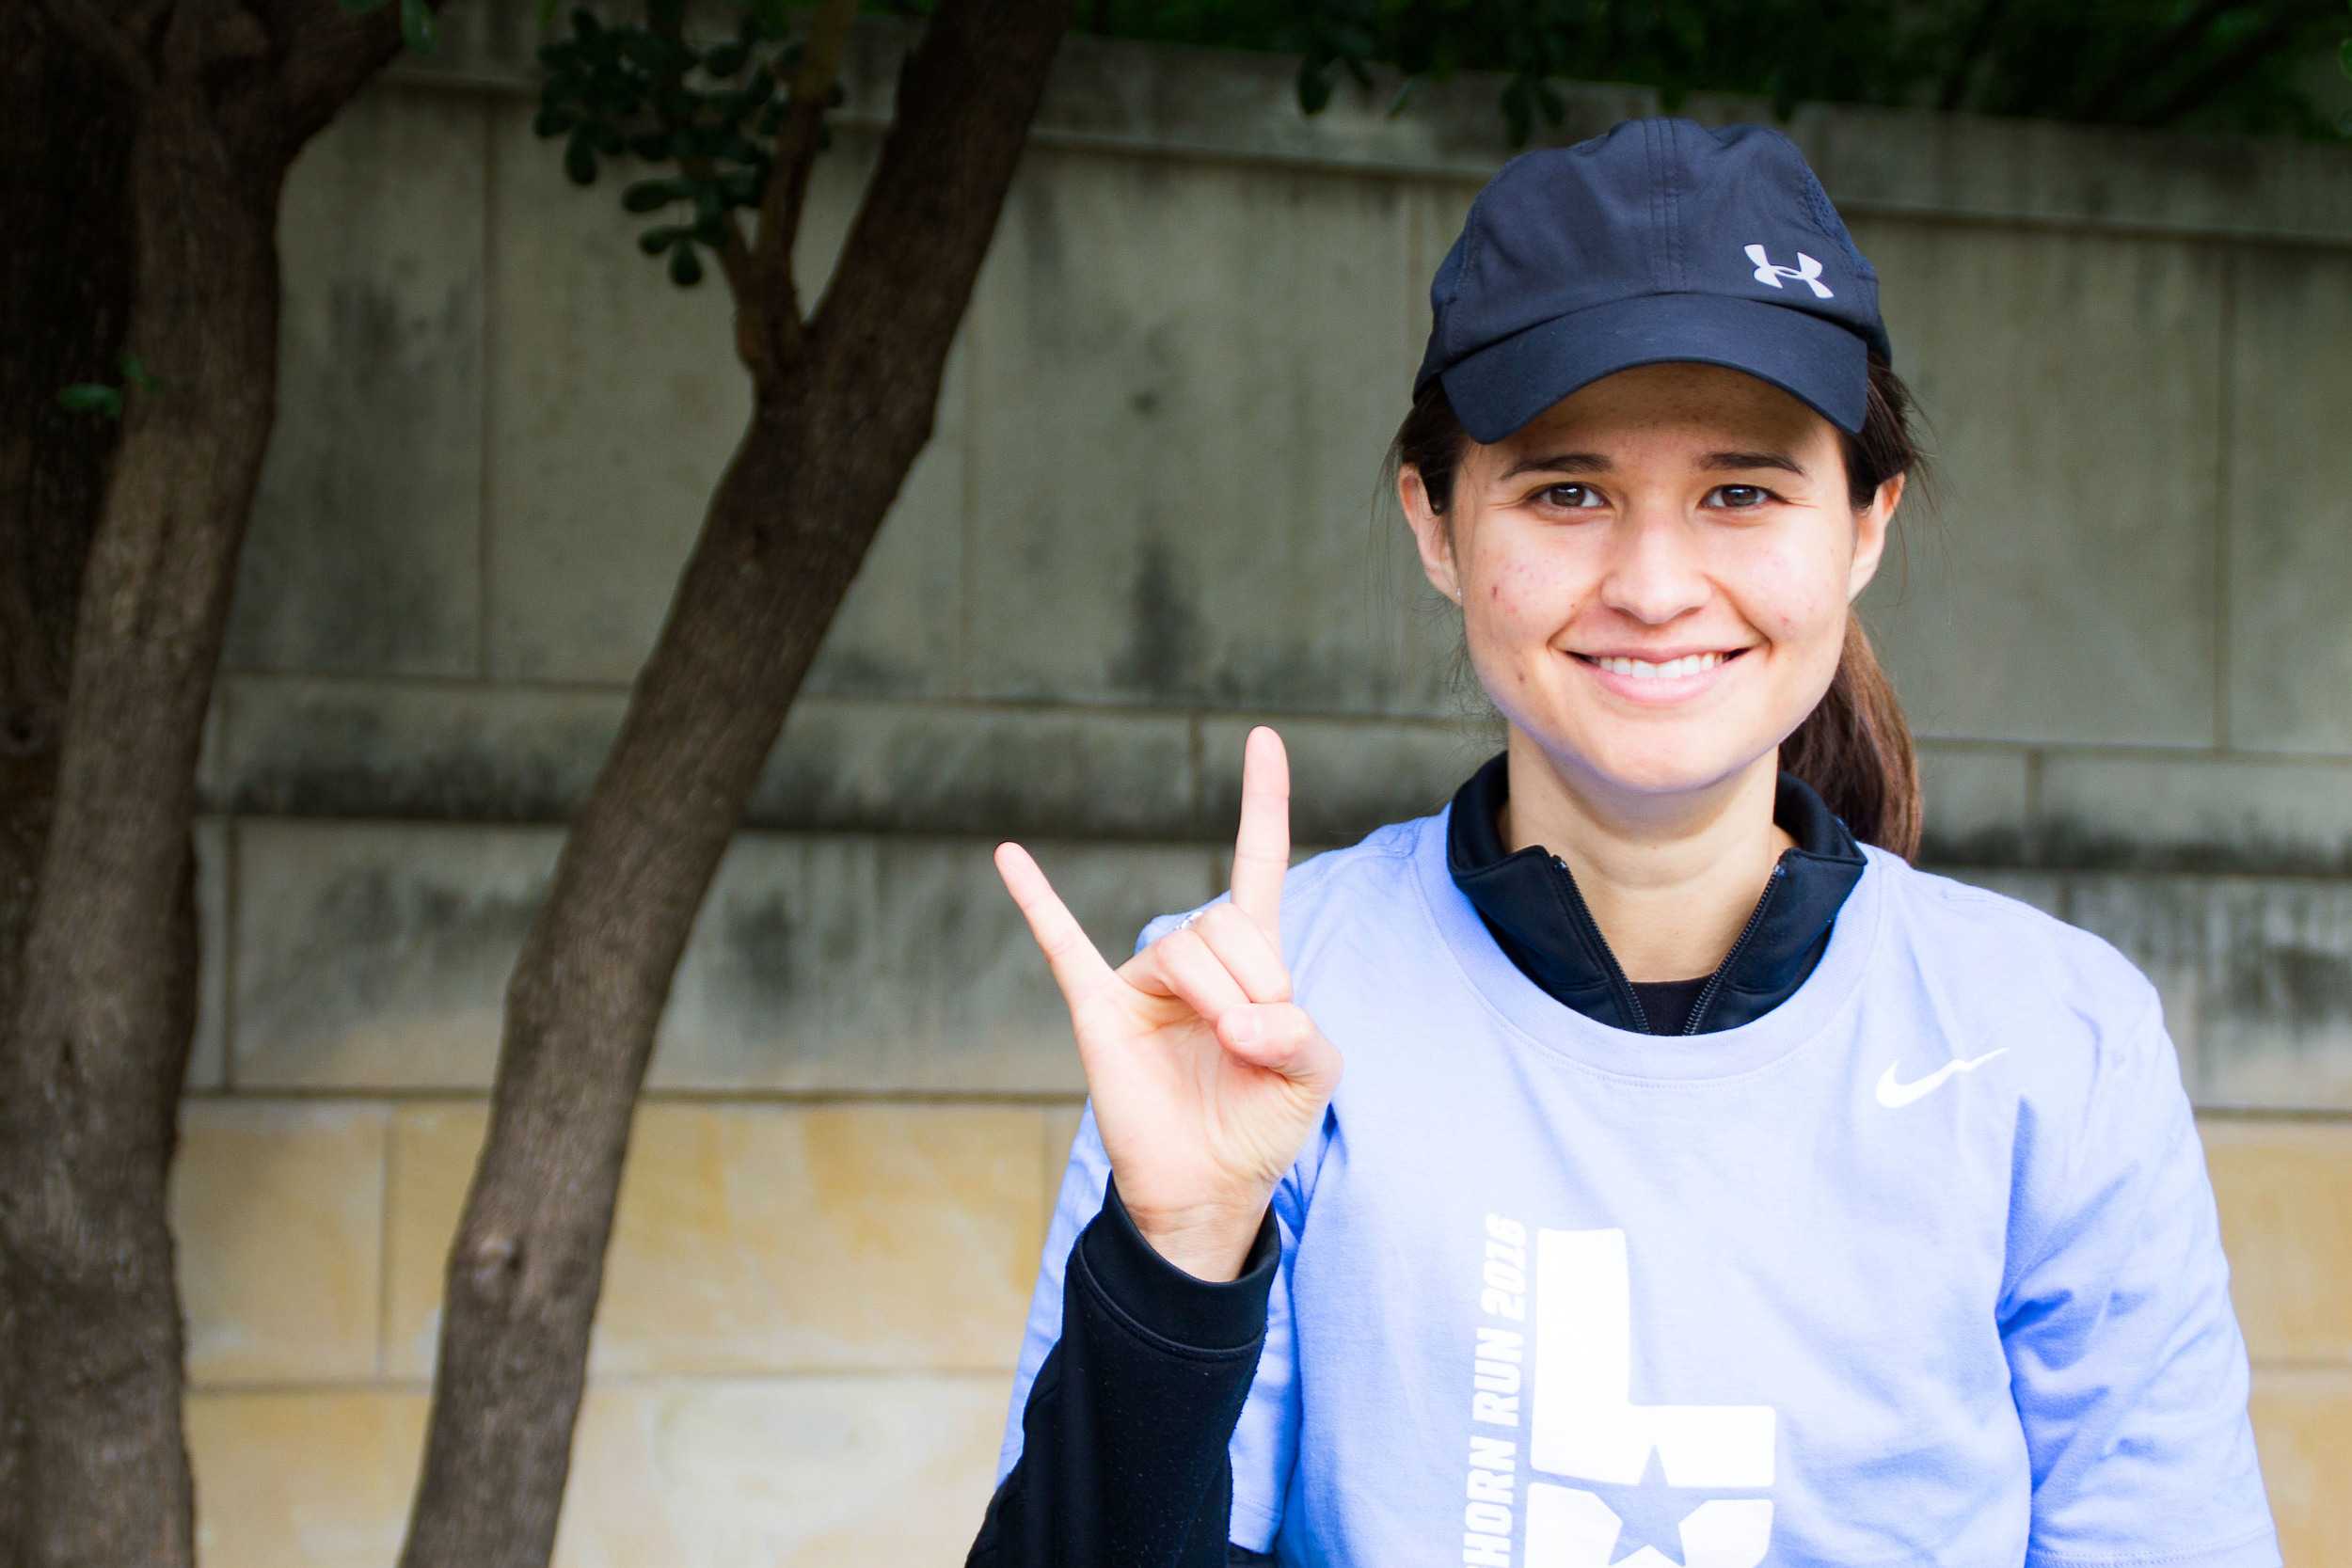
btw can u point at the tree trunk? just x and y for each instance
(64, 137)
(90, 1097)
(216, 102)
(830, 441)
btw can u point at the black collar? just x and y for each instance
(1529, 900)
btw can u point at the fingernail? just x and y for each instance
(1241, 1031)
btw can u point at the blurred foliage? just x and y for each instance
(100, 397)
(416, 21)
(2187, 64)
(626, 82)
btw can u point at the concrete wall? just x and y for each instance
(1148, 519)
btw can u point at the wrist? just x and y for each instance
(1209, 1243)
(1160, 1295)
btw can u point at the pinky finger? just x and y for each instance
(1078, 969)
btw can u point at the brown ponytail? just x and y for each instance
(1854, 748)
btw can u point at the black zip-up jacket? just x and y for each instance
(1124, 1437)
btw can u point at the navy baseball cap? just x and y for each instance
(1659, 239)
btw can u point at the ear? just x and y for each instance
(1870, 538)
(1429, 533)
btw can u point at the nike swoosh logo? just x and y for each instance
(1895, 1096)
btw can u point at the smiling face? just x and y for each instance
(1655, 572)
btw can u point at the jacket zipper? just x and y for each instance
(1626, 993)
(1715, 981)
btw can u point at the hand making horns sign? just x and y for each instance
(1206, 1078)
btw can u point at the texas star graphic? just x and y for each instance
(1649, 1520)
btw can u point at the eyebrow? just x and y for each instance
(1593, 462)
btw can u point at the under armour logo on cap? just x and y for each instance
(1807, 270)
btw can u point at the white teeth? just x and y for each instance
(1642, 669)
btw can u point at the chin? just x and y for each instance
(1698, 757)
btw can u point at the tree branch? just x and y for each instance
(2235, 64)
(772, 306)
(966, 100)
(2101, 103)
(329, 54)
(110, 45)
(1971, 51)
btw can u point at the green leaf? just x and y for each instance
(416, 26)
(1555, 108)
(725, 59)
(646, 51)
(2344, 56)
(585, 25)
(649, 196)
(652, 146)
(686, 268)
(90, 397)
(546, 14)
(1518, 116)
(579, 159)
(653, 241)
(360, 8)
(552, 122)
(1314, 87)
(135, 371)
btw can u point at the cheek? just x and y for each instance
(1794, 595)
(1522, 597)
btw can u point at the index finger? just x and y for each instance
(1262, 849)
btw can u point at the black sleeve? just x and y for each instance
(1124, 1460)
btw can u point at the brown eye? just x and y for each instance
(1757, 491)
(1551, 490)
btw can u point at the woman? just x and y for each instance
(1902, 1252)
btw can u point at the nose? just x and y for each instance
(1653, 572)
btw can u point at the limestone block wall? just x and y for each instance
(1149, 518)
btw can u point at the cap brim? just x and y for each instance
(1503, 386)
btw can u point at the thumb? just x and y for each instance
(1280, 1038)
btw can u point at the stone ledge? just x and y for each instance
(519, 752)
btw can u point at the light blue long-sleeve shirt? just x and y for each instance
(1920, 1267)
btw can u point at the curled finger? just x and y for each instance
(1196, 974)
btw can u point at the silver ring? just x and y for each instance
(1190, 918)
